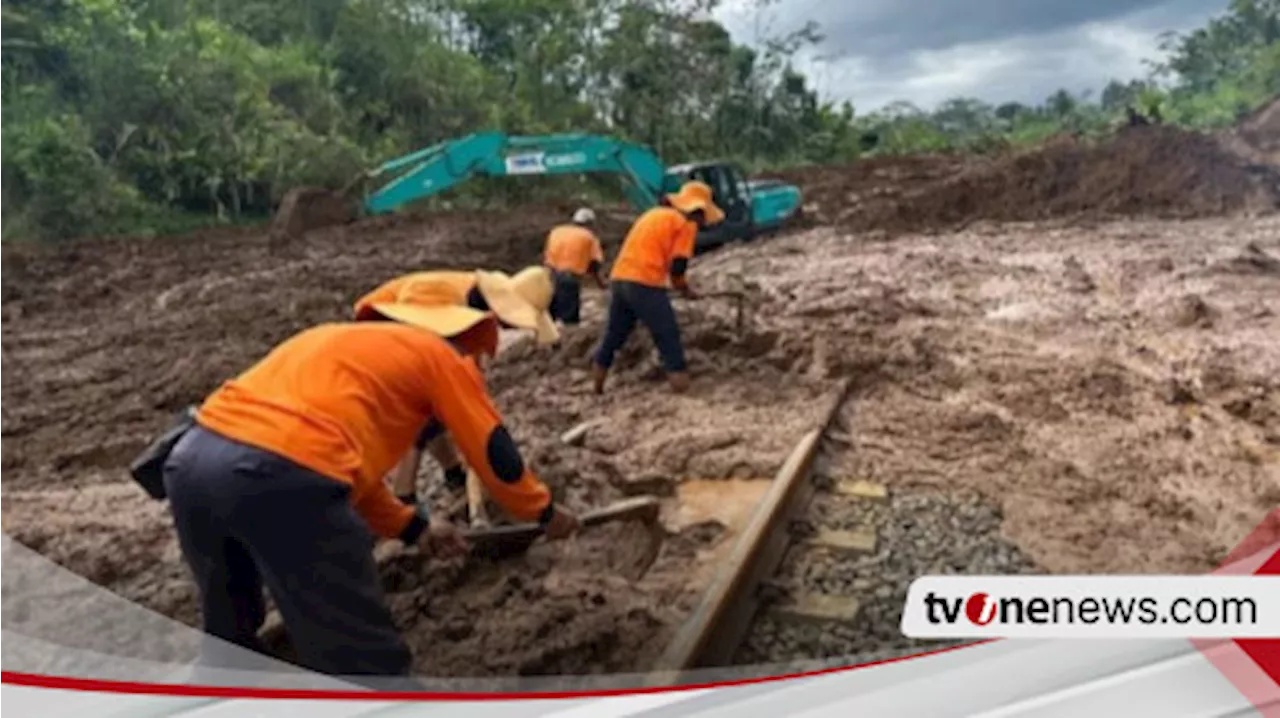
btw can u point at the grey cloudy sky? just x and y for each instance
(926, 51)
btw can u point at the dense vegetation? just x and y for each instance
(150, 115)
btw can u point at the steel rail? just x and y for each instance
(720, 622)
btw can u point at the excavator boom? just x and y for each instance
(751, 207)
(438, 168)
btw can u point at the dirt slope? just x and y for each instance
(1158, 171)
(1257, 137)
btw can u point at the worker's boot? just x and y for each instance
(598, 375)
(679, 381)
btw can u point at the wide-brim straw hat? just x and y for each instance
(694, 196)
(522, 301)
(441, 310)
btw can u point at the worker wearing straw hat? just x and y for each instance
(281, 479)
(573, 253)
(518, 302)
(655, 256)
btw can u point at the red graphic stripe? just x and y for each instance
(1252, 665)
(1266, 651)
(96, 685)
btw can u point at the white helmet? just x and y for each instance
(584, 216)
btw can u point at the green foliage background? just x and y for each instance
(154, 116)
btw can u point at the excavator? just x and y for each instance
(751, 207)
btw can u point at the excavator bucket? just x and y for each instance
(306, 208)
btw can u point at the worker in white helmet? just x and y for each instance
(573, 252)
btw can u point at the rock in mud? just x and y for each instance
(1077, 277)
(1191, 310)
(578, 434)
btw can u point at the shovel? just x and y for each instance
(497, 542)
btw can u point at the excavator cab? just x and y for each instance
(731, 193)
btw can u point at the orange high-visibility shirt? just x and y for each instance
(462, 282)
(659, 237)
(571, 248)
(347, 401)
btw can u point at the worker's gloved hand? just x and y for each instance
(562, 524)
(442, 540)
(687, 292)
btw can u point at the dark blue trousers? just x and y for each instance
(630, 303)
(246, 517)
(566, 302)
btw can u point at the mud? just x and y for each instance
(1257, 136)
(836, 195)
(1151, 171)
(103, 338)
(1130, 427)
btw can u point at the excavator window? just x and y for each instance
(720, 178)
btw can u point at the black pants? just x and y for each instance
(566, 302)
(246, 516)
(630, 302)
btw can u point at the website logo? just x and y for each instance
(1093, 607)
(980, 609)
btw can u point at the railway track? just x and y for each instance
(752, 588)
(818, 574)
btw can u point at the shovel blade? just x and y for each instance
(498, 542)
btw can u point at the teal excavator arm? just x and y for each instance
(435, 169)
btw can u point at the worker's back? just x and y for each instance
(344, 400)
(658, 237)
(572, 248)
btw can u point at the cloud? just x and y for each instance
(926, 51)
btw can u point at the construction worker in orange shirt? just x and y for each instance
(518, 302)
(280, 481)
(655, 256)
(573, 252)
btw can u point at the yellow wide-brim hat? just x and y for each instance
(522, 301)
(441, 309)
(447, 321)
(694, 196)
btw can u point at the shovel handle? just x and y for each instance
(644, 508)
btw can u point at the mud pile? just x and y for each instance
(1154, 171)
(1257, 136)
(1143, 171)
(833, 195)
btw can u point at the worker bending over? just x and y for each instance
(518, 302)
(656, 251)
(281, 480)
(573, 252)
